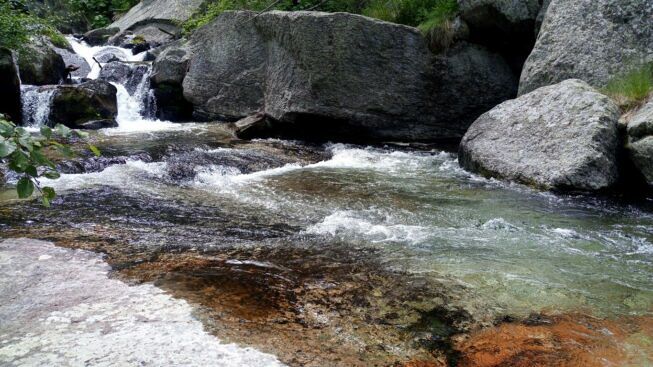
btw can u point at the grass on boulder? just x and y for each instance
(632, 88)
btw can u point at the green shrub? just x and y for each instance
(632, 88)
(17, 27)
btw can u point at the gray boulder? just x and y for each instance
(337, 75)
(71, 58)
(9, 86)
(128, 74)
(90, 105)
(157, 21)
(39, 64)
(100, 36)
(560, 137)
(168, 72)
(591, 40)
(640, 140)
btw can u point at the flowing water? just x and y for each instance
(323, 253)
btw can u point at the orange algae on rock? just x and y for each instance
(561, 341)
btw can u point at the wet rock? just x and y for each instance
(591, 40)
(567, 340)
(128, 74)
(40, 64)
(10, 104)
(558, 137)
(505, 26)
(96, 164)
(168, 72)
(640, 140)
(71, 58)
(100, 36)
(90, 105)
(110, 54)
(253, 126)
(336, 75)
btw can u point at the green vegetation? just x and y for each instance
(17, 27)
(632, 88)
(432, 17)
(99, 13)
(25, 154)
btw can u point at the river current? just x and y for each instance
(481, 248)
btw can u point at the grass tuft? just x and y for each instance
(631, 89)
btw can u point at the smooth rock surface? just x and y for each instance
(323, 75)
(10, 104)
(640, 140)
(39, 64)
(63, 310)
(561, 137)
(591, 40)
(90, 105)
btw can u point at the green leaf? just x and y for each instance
(94, 149)
(62, 131)
(19, 161)
(26, 142)
(66, 151)
(7, 147)
(41, 159)
(31, 170)
(80, 134)
(25, 188)
(6, 128)
(48, 196)
(46, 131)
(53, 175)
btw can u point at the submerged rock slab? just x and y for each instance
(324, 75)
(558, 137)
(64, 310)
(591, 40)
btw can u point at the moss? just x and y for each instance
(632, 88)
(138, 40)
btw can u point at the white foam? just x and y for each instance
(64, 310)
(89, 52)
(348, 223)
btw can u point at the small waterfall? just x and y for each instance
(131, 77)
(36, 103)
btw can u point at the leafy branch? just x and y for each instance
(24, 154)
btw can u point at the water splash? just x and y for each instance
(36, 103)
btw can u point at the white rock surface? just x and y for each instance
(59, 308)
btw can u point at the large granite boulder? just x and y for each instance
(591, 40)
(40, 64)
(640, 140)
(9, 86)
(560, 137)
(168, 72)
(338, 75)
(90, 105)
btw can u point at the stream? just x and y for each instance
(327, 254)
